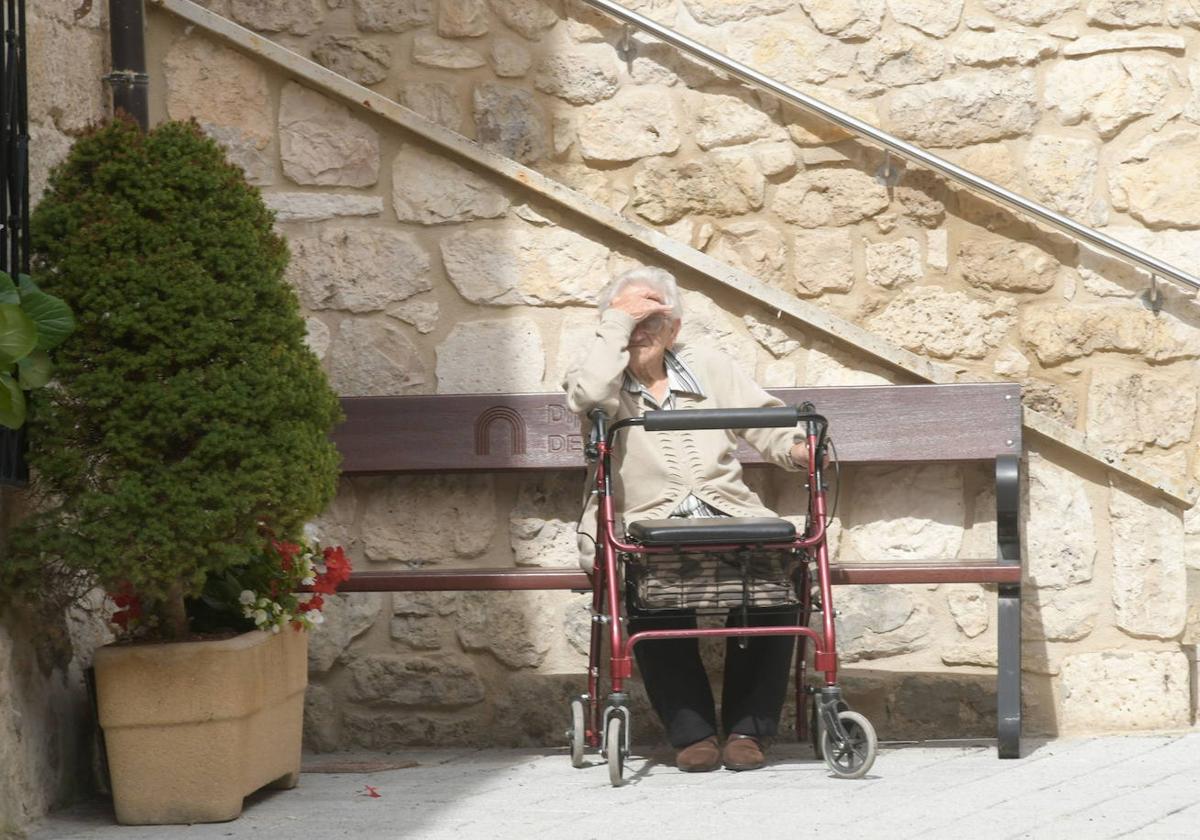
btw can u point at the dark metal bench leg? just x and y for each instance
(1008, 678)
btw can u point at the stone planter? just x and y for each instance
(192, 728)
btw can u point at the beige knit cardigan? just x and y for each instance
(654, 471)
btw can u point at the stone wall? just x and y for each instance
(45, 718)
(422, 275)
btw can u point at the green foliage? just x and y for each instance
(31, 323)
(187, 408)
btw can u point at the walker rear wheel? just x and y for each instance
(852, 758)
(577, 732)
(614, 747)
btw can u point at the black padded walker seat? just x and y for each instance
(721, 530)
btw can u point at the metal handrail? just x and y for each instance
(1152, 264)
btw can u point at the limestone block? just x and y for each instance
(424, 604)
(771, 337)
(1030, 12)
(417, 633)
(972, 107)
(316, 207)
(65, 63)
(428, 519)
(240, 121)
(757, 248)
(529, 18)
(1060, 333)
(69, 12)
(993, 161)
(808, 130)
(422, 314)
(983, 654)
(374, 358)
(878, 621)
(849, 19)
(775, 159)
(636, 123)
(968, 605)
(551, 543)
(510, 122)
(937, 249)
(779, 374)
(431, 51)
(716, 12)
(896, 59)
(1051, 400)
(1060, 531)
(346, 618)
(585, 75)
(893, 264)
(48, 147)
(917, 193)
(789, 51)
(434, 101)
(907, 513)
(1092, 44)
(715, 186)
(296, 17)
(358, 269)
(316, 337)
(824, 261)
(945, 324)
(515, 627)
(983, 49)
(509, 58)
(320, 142)
(322, 719)
(1109, 91)
(1124, 690)
(392, 15)
(829, 198)
(506, 266)
(1181, 13)
(936, 19)
(1124, 13)
(491, 357)
(1147, 182)
(1062, 174)
(391, 680)
(1006, 266)
(1130, 411)
(707, 325)
(577, 623)
(1191, 540)
(432, 190)
(462, 18)
(657, 63)
(1059, 615)
(595, 185)
(1011, 363)
(379, 730)
(1178, 247)
(728, 121)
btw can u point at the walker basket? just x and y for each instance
(708, 582)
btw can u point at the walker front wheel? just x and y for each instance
(614, 748)
(853, 757)
(577, 732)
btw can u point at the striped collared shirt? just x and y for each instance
(680, 379)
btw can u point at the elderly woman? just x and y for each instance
(635, 364)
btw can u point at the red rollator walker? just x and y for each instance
(714, 565)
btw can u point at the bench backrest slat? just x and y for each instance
(502, 432)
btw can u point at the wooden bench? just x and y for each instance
(900, 424)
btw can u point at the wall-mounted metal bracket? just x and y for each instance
(889, 172)
(627, 47)
(1153, 296)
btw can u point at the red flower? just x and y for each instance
(313, 603)
(129, 606)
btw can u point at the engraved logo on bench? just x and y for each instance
(503, 415)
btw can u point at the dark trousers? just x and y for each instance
(755, 685)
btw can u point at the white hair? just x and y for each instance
(658, 279)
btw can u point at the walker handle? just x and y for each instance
(721, 418)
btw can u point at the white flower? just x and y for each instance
(274, 628)
(246, 598)
(260, 617)
(310, 531)
(248, 612)
(315, 617)
(309, 581)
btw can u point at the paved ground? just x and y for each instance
(1146, 787)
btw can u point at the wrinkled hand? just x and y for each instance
(640, 303)
(799, 454)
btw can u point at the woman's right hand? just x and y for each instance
(640, 303)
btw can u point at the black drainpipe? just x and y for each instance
(130, 84)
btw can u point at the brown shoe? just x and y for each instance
(743, 752)
(700, 757)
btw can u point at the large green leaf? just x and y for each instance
(52, 315)
(35, 369)
(8, 289)
(12, 403)
(18, 334)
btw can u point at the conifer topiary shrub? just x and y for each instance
(188, 412)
